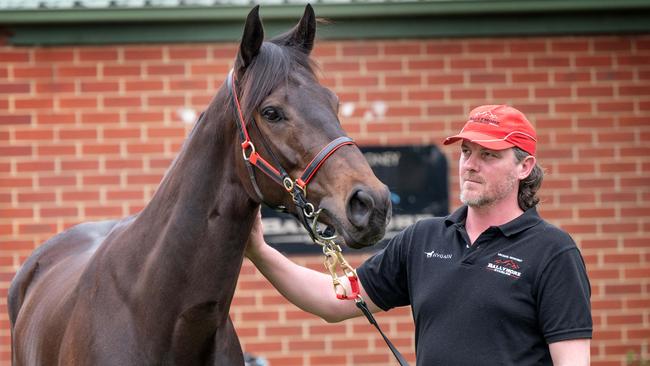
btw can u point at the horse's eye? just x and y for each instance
(272, 114)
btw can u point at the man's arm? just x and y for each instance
(574, 352)
(309, 290)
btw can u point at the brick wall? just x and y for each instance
(87, 132)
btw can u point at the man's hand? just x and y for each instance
(256, 237)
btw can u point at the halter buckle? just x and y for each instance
(288, 184)
(247, 145)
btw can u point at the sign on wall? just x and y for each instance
(416, 177)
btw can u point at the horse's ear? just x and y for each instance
(302, 36)
(251, 40)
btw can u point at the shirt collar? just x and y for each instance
(524, 221)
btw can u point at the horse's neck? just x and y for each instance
(188, 242)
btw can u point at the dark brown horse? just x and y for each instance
(156, 288)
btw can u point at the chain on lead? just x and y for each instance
(319, 237)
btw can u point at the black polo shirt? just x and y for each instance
(500, 301)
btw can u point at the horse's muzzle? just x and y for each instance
(368, 213)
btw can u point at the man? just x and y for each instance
(490, 284)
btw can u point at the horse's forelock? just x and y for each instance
(270, 69)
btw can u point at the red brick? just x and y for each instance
(383, 65)
(467, 93)
(210, 69)
(59, 212)
(98, 54)
(103, 212)
(165, 100)
(187, 53)
(14, 55)
(100, 86)
(99, 117)
(49, 86)
(622, 289)
(124, 164)
(77, 134)
(45, 55)
(100, 149)
(135, 179)
(360, 81)
(594, 61)
(33, 72)
(530, 77)
(74, 165)
(57, 181)
(491, 78)
(101, 180)
(15, 150)
(571, 76)
(553, 92)
(614, 75)
(359, 49)
(35, 166)
(46, 150)
(80, 196)
(633, 90)
(64, 71)
(467, 63)
(187, 84)
(122, 70)
(123, 101)
(551, 61)
(144, 53)
(633, 60)
(78, 102)
(423, 65)
(14, 213)
(445, 79)
(121, 133)
(140, 117)
(55, 118)
(34, 103)
(15, 119)
(136, 86)
(14, 88)
(595, 91)
(178, 69)
(29, 229)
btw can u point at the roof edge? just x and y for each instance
(358, 10)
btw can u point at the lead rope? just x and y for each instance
(333, 262)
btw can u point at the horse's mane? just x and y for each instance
(276, 60)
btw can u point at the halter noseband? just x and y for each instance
(296, 188)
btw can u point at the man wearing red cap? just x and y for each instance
(490, 284)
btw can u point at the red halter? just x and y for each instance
(297, 188)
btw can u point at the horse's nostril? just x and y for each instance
(360, 207)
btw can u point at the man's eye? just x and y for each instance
(272, 114)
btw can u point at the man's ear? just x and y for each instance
(251, 40)
(526, 166)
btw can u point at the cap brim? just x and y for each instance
(487, 141)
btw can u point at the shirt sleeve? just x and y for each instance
(563, 298)
(384, 275)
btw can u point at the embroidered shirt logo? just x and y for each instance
(433, 254)
(506, 265)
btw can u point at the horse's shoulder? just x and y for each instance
(65, 246)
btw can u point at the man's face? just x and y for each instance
(487, 176)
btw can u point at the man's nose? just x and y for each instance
(470, 162)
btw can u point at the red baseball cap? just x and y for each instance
(498, 127)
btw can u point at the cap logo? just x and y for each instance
(486, 117)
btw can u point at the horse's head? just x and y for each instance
(290, 118)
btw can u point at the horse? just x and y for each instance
(155, 288)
